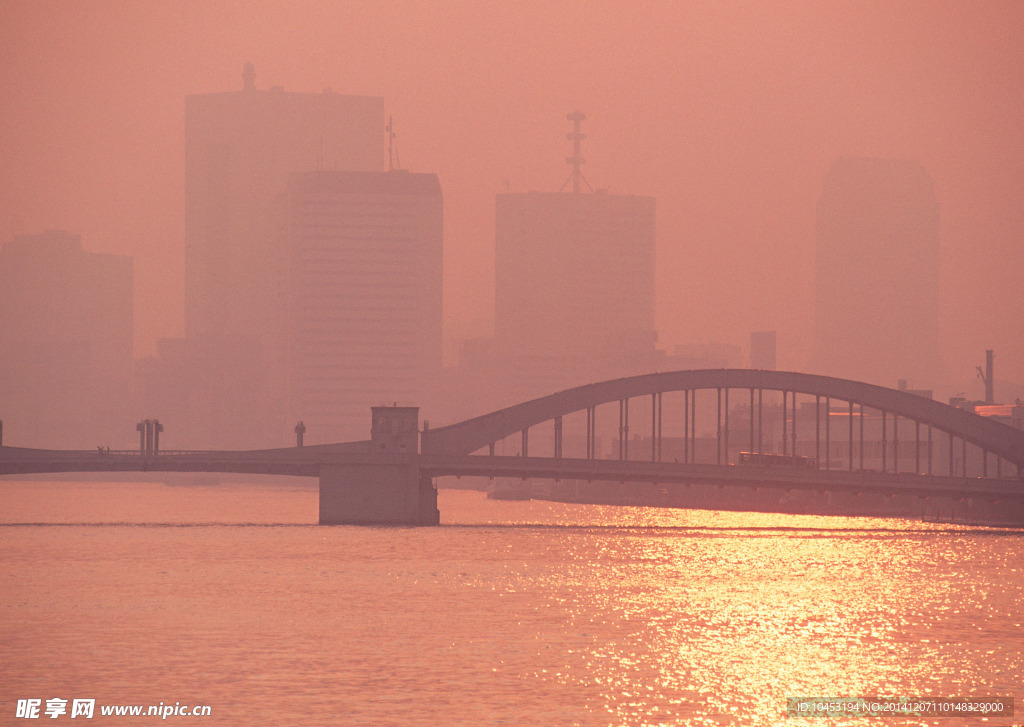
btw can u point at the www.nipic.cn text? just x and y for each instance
(87, 709)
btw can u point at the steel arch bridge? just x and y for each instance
(993, 438)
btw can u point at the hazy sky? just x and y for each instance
(729, 113)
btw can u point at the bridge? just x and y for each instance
(846, 449)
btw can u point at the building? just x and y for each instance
(574, 295)
(574, 275)
(65, 343)
(362, 306)
(240, 149)
(877, 274)
(762, 350)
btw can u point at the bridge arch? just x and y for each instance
(990, 436)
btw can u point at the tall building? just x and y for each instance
(574, 284)
(240, 149)
(762, 350)
(878, 274)
(65, 343)
(574, 274)
(362, 326)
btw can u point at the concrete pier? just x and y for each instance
(381, 493)
(388, 487)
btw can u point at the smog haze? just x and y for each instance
(729, 114)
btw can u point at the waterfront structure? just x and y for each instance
(240, 149)
(362, 302)
(65, 342)
(877, 273)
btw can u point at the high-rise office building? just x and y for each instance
(362, 323)
(574, 290)
(65, 343)
(762, 350)
(878, 274)
(240, 149)
(574, 275)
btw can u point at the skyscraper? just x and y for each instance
(574, 284)
(878, 273)
(362, 328)
(574, 274)
(240, 149)
(762, 350)
(65, 343)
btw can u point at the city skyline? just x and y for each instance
(736, 191)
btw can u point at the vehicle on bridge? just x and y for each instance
(763, 459)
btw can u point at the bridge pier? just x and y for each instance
(381, 493)
(387, 488)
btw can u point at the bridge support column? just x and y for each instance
(686, 426)
(885, 446)
(591, 434)
(623, 430)
(861, 437)
(817, 431)
(726, 433)
(382, 493)
(895, 443)
(794, 424)
(750, 443)
(951, 473)
(385, 487)
(851, 435)
(785, 441)
(760, 421)
(828, 433)
(917, 447)
(718, 430)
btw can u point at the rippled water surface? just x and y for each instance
(510, 613)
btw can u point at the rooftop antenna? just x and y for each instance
(986, 377)
(576, 160)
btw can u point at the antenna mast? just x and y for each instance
(576, 160)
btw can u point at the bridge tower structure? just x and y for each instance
(387, 488)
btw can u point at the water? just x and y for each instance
(510, 613)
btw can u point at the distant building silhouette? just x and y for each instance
(574, 293)
(362, 303)
(65, 343)
(762, 350)
(574, 287)
(878, 273)
(574, 274)
(240, 149)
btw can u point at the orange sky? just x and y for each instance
(728, 113)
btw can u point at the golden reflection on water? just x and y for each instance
(718, 616)
(519, 613)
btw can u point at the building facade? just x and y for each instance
(65, 343)
(574, 287)
(240, 149)
(362, 304)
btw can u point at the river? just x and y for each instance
(509, 613)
